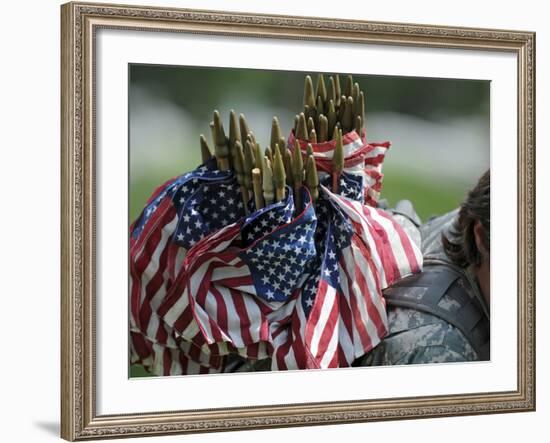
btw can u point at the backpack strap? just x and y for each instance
(425, 292)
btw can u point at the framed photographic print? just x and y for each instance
(280, 221)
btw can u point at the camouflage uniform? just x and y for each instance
(418, 335)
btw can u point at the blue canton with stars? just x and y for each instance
(278, 261)
(208, 201)
(350, 185)
(205, 199)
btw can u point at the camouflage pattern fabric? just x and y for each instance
(417, 337)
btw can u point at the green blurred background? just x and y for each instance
(439, 128)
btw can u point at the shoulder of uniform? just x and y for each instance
(418, 337)
(443, 292)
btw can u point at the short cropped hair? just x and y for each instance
(460, 245)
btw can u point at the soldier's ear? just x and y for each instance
(479, 234)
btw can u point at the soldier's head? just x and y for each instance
(469, 244)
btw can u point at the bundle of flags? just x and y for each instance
(250, 255)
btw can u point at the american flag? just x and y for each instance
(172, 221)
(340, 313)
(238, 279)
(362, 159)
(302, 286)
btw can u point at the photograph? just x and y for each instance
(281, 220)
(287, 220)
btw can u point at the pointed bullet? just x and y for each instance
(297, 173)
(282, 144)
(220, 148)
(337, 161)
(309, 97)
(213, 133)
(358, 125)
(275, 133)
(349, 86)
(337, 91)
(248, 164)
(331, 93)
(257, 185)
(323, 129)
(331, 117)
(321, 90)
(279, 175)
(302, 128)
(287, 160)
(310, 125)
(312, 178)
(267, 182)
(341, 109)
(355, 92)
(250, 136)
(309, 150)
(312, 136)
(243, 125)
(269, 154)
(206, 154)
(337, 127)
(347, 118)
(234, 132)
(239, 164)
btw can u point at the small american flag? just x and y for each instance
(361, 159)
(175, 218)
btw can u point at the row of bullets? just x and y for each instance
(263, 175)
(327, 110)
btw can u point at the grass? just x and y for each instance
(429, 197)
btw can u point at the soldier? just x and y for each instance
(442, 314)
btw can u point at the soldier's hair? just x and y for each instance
(460, 245)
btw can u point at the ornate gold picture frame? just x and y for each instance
(80, 24)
